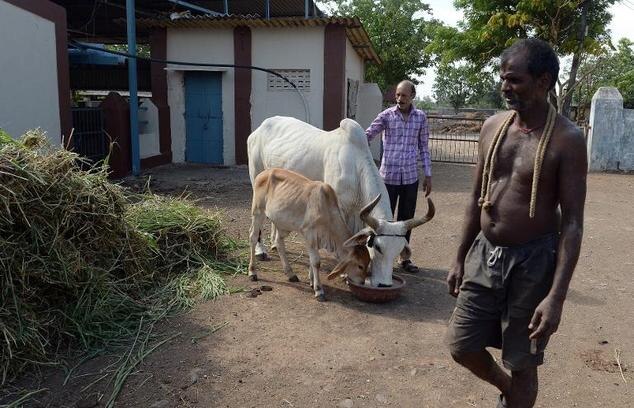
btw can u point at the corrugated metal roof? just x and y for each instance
(354, 29)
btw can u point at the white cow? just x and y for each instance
(342, 159)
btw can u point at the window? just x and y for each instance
(300, 77)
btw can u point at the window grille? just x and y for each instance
(300, 77)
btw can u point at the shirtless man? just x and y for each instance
(522, 234)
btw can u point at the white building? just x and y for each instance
(212, 110)
(34, 90)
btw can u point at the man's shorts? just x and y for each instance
(500, 290)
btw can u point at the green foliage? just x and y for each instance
(399, 30)
(614, 68)
(459, 85)
(489, 26)
(142, 50)
(5, 137)
(83, 266)
(424, 103)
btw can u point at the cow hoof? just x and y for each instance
(321, 298)
(293, 278)
(253, 278)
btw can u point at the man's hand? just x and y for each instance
(546, 318)
(427, 185)
(454, 279)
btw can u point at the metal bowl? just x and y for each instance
(378, 295)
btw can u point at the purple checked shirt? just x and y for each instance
(400, 142)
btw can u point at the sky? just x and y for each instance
(622, 18)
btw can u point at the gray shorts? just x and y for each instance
(500, 290)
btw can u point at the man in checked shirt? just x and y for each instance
(405, 137)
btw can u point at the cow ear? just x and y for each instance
(360, 238)
(338, 270)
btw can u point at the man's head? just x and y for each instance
(528, 70)
(405, 93)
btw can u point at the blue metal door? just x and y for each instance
(203, 117)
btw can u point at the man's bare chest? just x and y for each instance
(515, 160)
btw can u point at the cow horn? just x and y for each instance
(365, 214)
(415, 222)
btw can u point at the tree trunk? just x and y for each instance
(576, 60)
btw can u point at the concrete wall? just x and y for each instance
(369, 104)
(28, 74)
(287, 48)
(204, 46)
(611, 135)
(148, 129)
(354, 64)
(627, 142)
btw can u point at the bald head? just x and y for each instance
(407, 84)
(405, 93)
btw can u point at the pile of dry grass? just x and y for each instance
(81, 266)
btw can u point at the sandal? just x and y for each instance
(408, 266)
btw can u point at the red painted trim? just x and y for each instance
(158, 47)
(334, 75)
(242, 90)
(57, 15)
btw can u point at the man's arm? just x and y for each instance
(423, 148)
(572, 195)
(376, 127)
(471, 223)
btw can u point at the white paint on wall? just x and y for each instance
(287, 48)
(28, 73)
(369, 105)
(149, 144)
(176, 101)
(201, 46)
(354, 64)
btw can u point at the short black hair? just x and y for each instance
(540, 58)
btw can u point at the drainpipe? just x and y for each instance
(268, 9)
(226, 7)
(306, 8)
(132, 84)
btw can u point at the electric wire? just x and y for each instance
(80, 45)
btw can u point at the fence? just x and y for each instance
(89, 139)
(454, 139)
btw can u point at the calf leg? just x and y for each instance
(274, 235)
(254, 234)
(260, 249)
(281, 250)
(315, 260)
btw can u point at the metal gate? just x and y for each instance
(454, 139)
(89, 138)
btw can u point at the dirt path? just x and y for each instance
(284, 349)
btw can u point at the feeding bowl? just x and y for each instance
(371, 294)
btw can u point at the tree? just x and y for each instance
(399, 32)
(489, 26)
(460, 85)
(614, 68)
(425, 103)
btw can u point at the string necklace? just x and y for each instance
(489, 162)
(529, 130)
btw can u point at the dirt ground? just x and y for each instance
(284, 349)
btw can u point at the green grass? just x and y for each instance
(86, 266)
